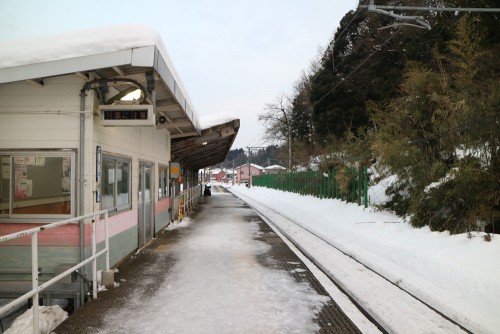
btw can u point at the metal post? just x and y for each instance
(34, 281)
(81, 189)
(249, 177)
(334, 184)
(353, 194)
(106, 238)
(359, 185)
(366, 187)
(94, 262)
(181, 204)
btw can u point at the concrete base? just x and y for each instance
(108, 279)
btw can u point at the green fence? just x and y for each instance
(347, 184)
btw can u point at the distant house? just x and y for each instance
(274, 169)
(217, 175)
(229, 175)
(244, 173)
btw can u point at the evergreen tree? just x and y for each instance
(447, 171)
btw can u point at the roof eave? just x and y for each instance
(147, 56)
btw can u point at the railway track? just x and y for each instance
(424, 319)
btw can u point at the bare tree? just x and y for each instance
(277, 123)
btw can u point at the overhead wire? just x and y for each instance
(259, 134)
(342, 32)
(348, 24)
(357, 67)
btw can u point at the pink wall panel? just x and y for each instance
(162, 205)
(116, 224)
(67, 235)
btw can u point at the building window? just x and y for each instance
(37, 183)
(115, 186)
(162, 182)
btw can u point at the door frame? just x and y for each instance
(145, 207)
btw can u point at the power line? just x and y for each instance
(357, 67)
(340, 35)
(255, 138)
(347, 26)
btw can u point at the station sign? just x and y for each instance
(127, 115)
(175, 170)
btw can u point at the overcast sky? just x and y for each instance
(232, 55)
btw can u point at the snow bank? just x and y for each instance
(455, 273)
(186, 221)
(49, 318)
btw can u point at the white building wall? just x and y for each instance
(48, 117)
(139, 144)
(36, 117)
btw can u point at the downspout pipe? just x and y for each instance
(82, 188)
(83, 94)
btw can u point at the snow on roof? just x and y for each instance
(275, 167)
(82, 43)
(253, 165)
(77, 44)
(209, 121)
(215, 171)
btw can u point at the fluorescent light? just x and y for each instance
(135, 95)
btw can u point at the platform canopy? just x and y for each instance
(118, 60)
(208, 149)
(134, 53)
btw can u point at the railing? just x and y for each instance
(347, 184)
(191, 196)
(185, 201)
(36, 289)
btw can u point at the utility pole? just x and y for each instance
(250, 148)
(289, 130)
(234, 175)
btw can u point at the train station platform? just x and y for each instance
(221, 270)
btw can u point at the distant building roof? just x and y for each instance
(253, 165)
(275, 167)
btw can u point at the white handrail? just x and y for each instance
(34, 261)
(191, 195)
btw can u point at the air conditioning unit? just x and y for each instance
(127, 115)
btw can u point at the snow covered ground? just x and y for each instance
(455, 274)
(217, 286)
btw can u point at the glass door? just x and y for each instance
(145, 203)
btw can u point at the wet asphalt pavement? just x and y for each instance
(142, 274)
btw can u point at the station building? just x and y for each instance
(73, 143)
